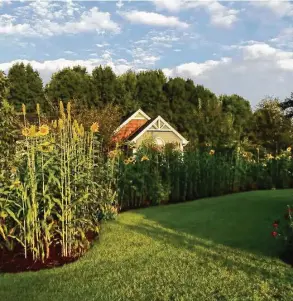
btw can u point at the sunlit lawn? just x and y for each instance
(209, 249)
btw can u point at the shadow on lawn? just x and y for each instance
(207, 253)
(241, 221)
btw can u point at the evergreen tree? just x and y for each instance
(26, 87)
(150, 94)
(105, 84)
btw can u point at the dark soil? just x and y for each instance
(15, 261)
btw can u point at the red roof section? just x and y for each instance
(130, 128)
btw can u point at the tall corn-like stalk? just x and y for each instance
(57, 180)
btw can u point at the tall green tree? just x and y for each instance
(180, 108)
(127, 101)
(242, 114)
(35, 90)
(72, 84)
(26, 87)
(149, 92)
(272, 128)
(213, 125)
(105, 84)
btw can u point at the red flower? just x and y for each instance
(274, 233)
(275, 225)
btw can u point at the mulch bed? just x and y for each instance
(15, 262)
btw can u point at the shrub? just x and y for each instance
(283, 230)
(171, 176)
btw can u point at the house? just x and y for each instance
(139, 127)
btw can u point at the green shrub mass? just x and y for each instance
(155, 176)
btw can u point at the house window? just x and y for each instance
(160, 141)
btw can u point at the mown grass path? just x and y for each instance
(210, 249)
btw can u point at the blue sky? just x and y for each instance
(243, 47)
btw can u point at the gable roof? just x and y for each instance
(138, 115)
(129, 129)
(131, 125)
(157, 124)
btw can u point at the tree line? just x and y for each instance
(197, 113)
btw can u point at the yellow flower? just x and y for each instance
(113, 154)
(95, 127)
(126, 162)
(212, 152)
(81, 131)
(131, 159)
(43, 130)
(23, 109)
(289, 149)
(25, 132)
(32, 131)
(46, 147)
(145, 158)
(13, 170)
(270, 156)
(60, 124)
(16, 183)
(244, 154)
(61, 109)
(55, 124)
(75, 124)
(69, 110)
(38, 109)
(75, 137)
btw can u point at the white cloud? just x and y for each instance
(265, 53)
(92, 20)
(164, 39)
(142, 57)
(102, 45)
(119, 4)
(89, 21)
(172, 5)
(69, 52)
(15, 29)
(284, 39)
(279, 8)
(192, 70)
(220, 14)
(154, 19)
(257, 70)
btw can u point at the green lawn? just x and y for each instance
(210, 249)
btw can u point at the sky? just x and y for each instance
(242, 47)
